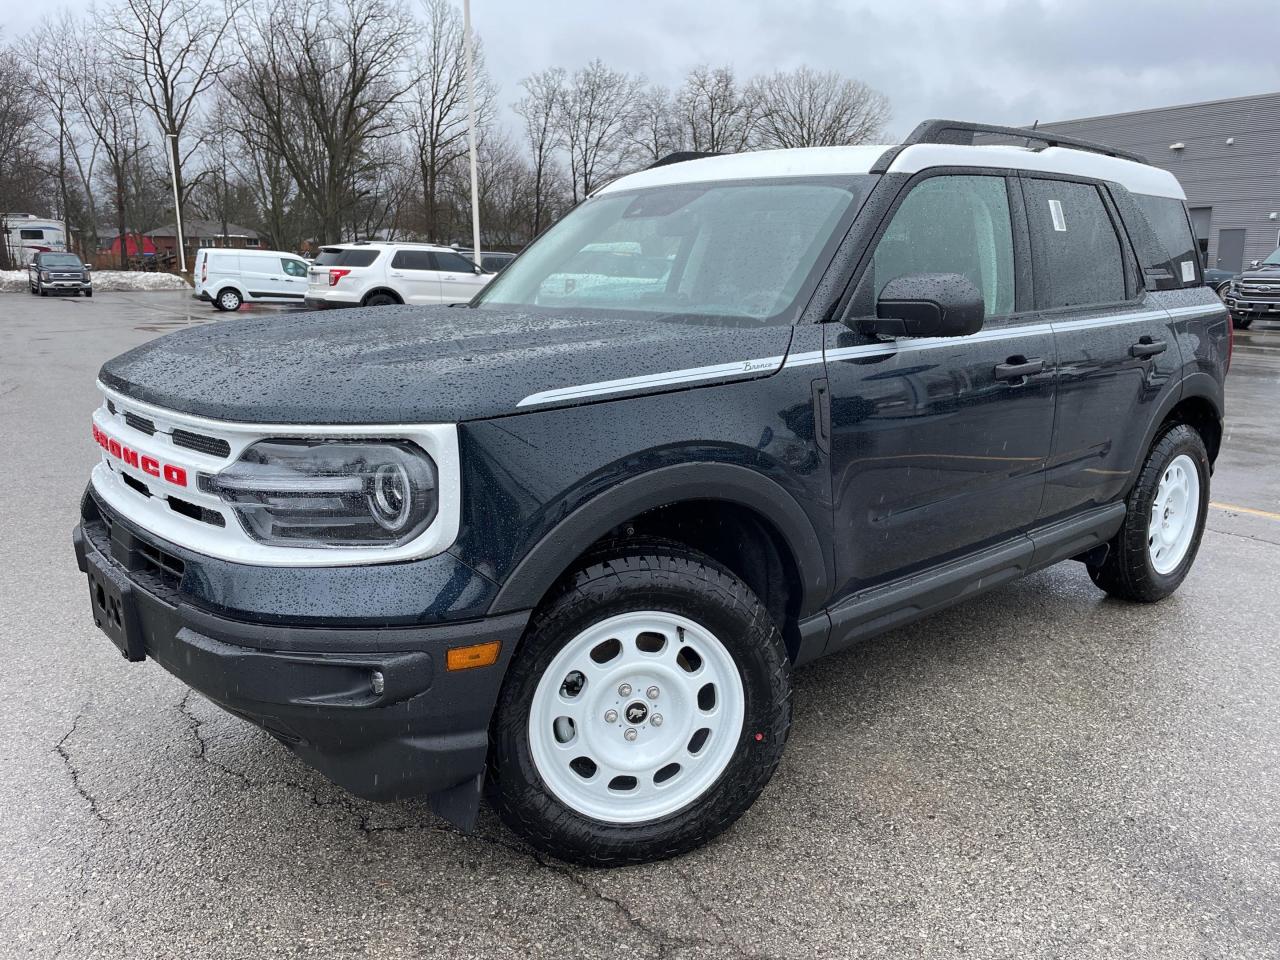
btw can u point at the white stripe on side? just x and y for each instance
(758, 366)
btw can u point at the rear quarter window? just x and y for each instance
(345, 257)
(1167, 217)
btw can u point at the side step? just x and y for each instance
(884, 607)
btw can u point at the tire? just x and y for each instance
(1142, 566)
(40, 290)
(745, 662)
(88, 293)
(228, 300)
(1241, 323)
(380, 300)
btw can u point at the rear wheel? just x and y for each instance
(229, 300)
(1155, 548)
(381, 300)
(646, 710)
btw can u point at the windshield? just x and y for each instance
(747, 250)
(1274, 258)
(59, 260)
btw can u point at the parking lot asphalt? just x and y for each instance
(1041, 772)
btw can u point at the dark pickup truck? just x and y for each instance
(59, 273)
(1255, 293)
(567, 543)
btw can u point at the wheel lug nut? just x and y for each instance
(630, 734)
(611, 716)
(624, 689)
(652, 693)
(656, 719)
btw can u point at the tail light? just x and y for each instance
(204, 270)
(1231, 338)
(336, 275)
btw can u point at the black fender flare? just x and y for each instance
(544, 563)
(1195, 385)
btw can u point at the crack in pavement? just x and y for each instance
(664, 943)
(60, 748)
(194, 724)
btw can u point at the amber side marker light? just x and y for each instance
(475, 655)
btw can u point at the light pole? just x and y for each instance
(177, 206)
(471, 131)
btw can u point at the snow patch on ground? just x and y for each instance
(15, 281)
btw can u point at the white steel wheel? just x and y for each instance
(229, 300)
(1175, 513)
(636, 717)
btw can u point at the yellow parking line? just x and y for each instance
(1249, 510)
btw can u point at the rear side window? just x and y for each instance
(1167, 218)
(952, 225)
(1077, 253)
(31, 234)
(346, 257)
(453, 261)
(412, 260)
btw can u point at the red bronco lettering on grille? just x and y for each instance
(140, 461)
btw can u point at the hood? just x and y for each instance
(431, 364)
(1264, 271)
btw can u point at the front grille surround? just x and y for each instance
(174, 462)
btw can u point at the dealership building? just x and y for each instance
(1225, 153)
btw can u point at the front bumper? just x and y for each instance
(1245, 305)
(371, 707)
(66, 286)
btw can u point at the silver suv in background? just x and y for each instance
(372, 274)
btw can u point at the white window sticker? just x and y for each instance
(1188, 271)
(1059, 221)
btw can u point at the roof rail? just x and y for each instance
(680, 156)
(963, 133)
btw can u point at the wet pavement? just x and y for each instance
(1040, 772)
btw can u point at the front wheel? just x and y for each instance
(1154, 550)
(1241, 323)
(645, 711)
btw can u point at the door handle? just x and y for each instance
(1146, 347)
(1019, 368)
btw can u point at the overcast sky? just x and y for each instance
(1001, 61)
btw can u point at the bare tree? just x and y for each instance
(595, 118)
(714, 115)
(438, 107)
(320, 84)
(810, 108)
(49, 61)
(173, 51)
(539, 109)
(657, 128)
(104, 103)
(19, 141)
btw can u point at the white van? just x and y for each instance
(227, 278)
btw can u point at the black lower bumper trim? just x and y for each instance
(377, 713)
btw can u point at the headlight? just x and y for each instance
(331, 493)
(44, 274)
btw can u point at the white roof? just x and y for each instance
(827, 161)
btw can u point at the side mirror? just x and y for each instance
(1254, 264)
(928, 305)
